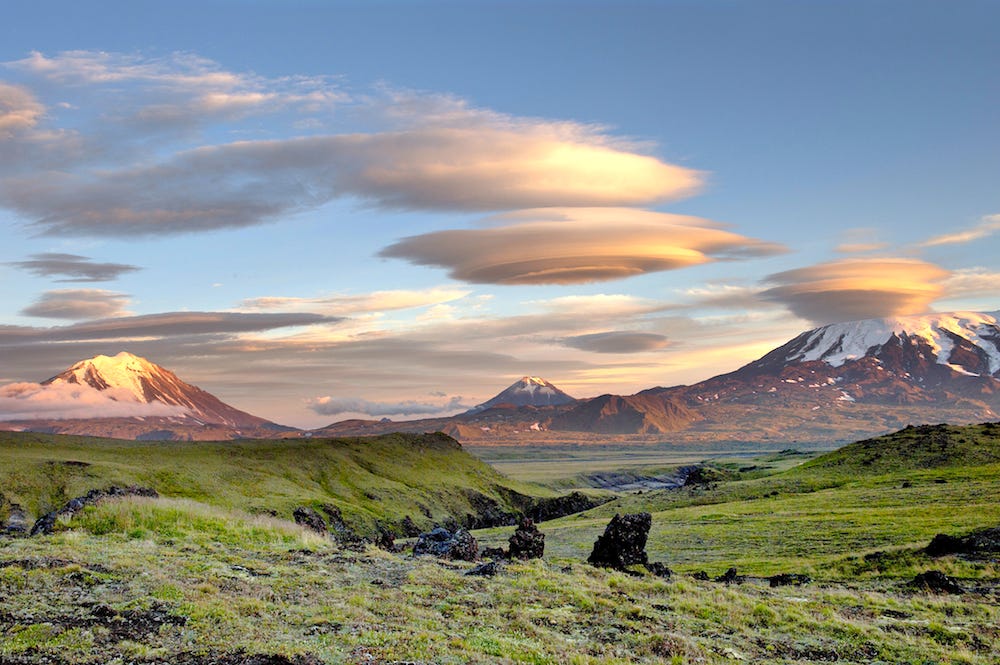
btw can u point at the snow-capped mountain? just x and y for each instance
(526, 391)
(965, 342)
(126, 396)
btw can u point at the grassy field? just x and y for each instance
(175, 580)
(378, 480)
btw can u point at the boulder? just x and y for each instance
(623, 543)
(984, 541)
(527, 542)
(788, 579)
(935, 580)
(310, 519)
(659, 569)
(730, 577)
(440, 542)
(488, 569)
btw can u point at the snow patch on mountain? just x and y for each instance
(839, 343)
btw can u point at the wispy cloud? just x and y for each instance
(566, 246)
(616, 341)
(73, 267)
(78, 304)
(853, 289)
(377, 301)
(122, 166)
(332, 406)
(986, 226)
(162, 325)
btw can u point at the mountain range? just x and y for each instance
(831, 384)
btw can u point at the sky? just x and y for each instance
(323, 210)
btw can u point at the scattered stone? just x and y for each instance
(623, 543)
(342, 533)
(730, 577)
(488, 569)
(788, 579)
(984, 541)
(310, 519)
(458, 545)
(46, 523)
(935, 580)
(701, 575)
(494, 553)
(527, 542)
(659, 569)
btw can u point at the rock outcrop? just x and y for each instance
(46, 523)
(527, 542)
(440, 542)
(623, 543)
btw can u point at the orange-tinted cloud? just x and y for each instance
(567, 246)
(78, 304)
(986, 226)
(19, 109)
(854, 289)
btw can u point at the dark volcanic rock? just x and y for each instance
(488, 569)
(935, 580)
(550, 508)
(984, 541)
(440, 542)
(341, 532)
(659, 569)
(494, 553)
(310, 519)
(47, 522)
(788, 579)
(409, 528)
(386, 540)
(730, 577)
(623, 543)
(527, 542)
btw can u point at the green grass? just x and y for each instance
(378, 480)
(178, 576)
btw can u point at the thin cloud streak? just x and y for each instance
(79, 304)
(986, 227)
(74, 267)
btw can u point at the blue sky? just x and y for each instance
(400, 208)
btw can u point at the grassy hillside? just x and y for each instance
(894, 491)
(178, 580)
(373, 480)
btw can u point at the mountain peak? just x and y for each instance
(126, 377)
(527, 391)
(967, 342)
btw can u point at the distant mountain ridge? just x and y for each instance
(835, 383)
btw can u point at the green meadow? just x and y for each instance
(200, 577)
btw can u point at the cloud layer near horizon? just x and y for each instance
(26, 401)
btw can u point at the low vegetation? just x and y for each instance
(141, 580)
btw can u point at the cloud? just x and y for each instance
(860, 241)
(616, 341)
(987, 226)
(377, 301)
(19, 110)
(854, 289)
(76, 268)
(973, 282)
(422, 152)
(567, 246)
(162, 325)
(331, 406)
(78, 304)
(25, 401)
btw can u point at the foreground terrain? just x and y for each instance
(178, 580)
